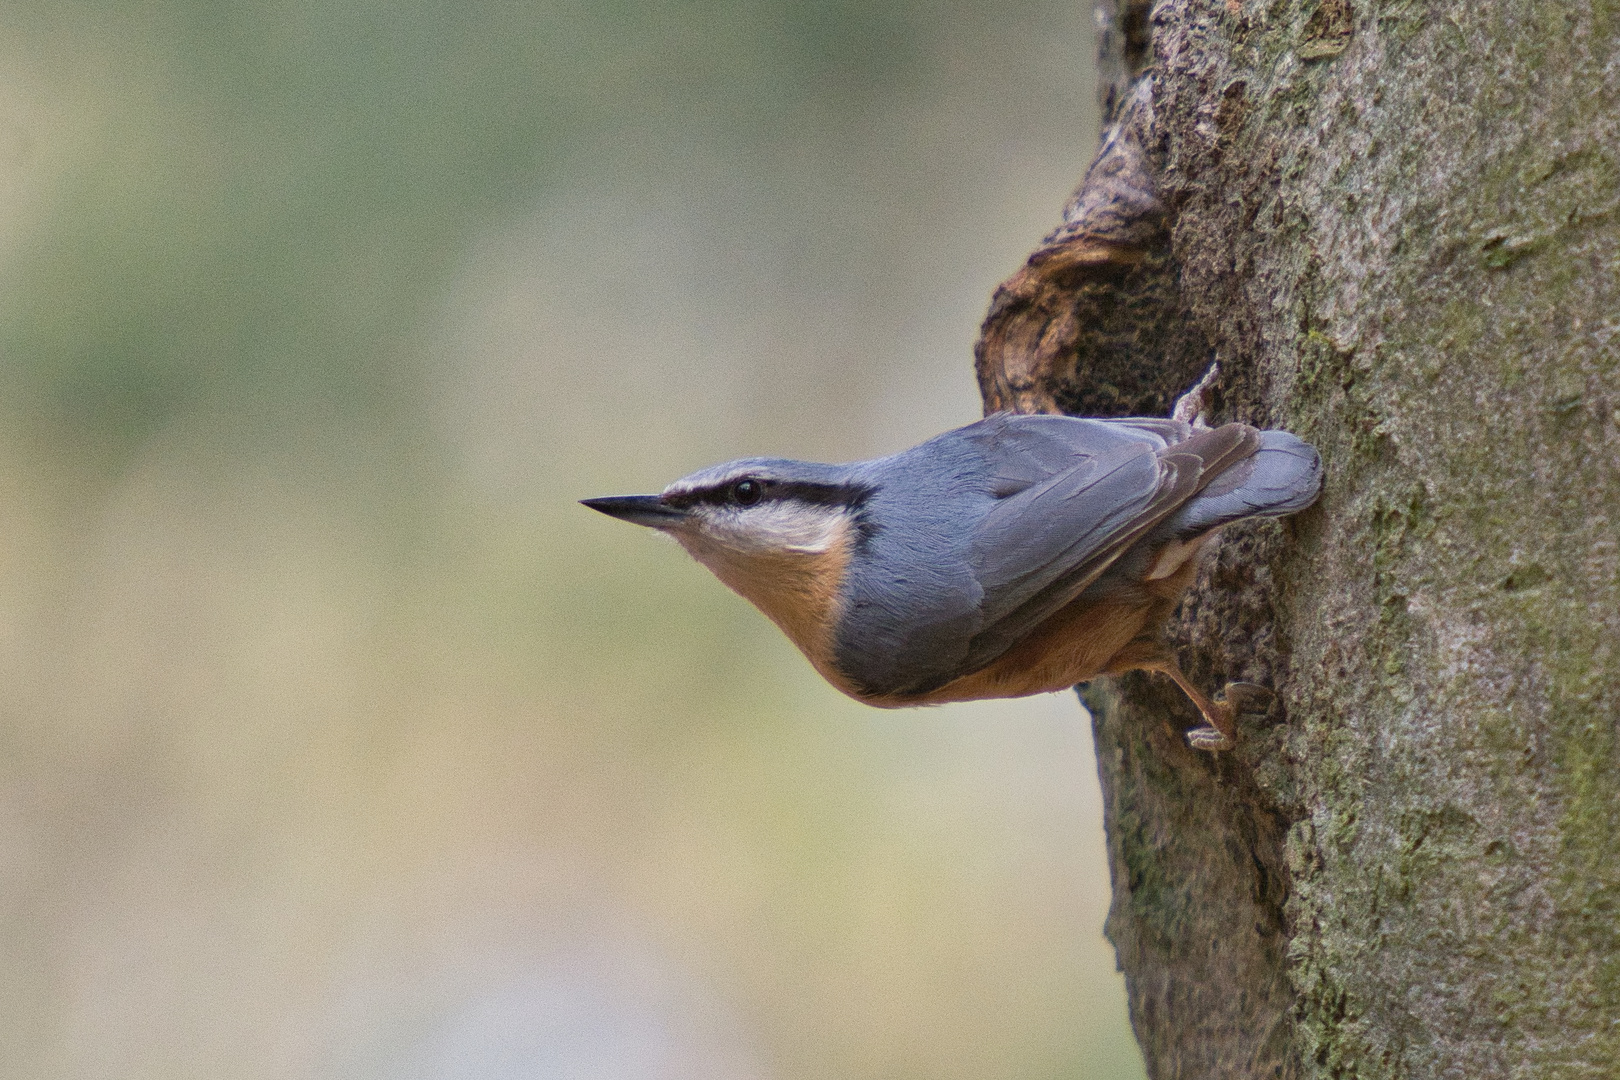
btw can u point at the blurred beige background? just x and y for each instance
(337, 741)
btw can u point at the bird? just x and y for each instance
(1017, 555)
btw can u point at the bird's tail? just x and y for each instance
(1282, 477)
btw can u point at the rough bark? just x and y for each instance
(1398, 226)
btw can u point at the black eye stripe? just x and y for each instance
(723, 494)
(849, 496)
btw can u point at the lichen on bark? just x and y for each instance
(1398, 226)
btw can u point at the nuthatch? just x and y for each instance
(1017, 555)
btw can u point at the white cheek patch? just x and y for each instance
(779, 526)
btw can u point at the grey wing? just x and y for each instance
(912, 626)
(1040, 548)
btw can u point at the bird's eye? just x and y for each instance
(747, 492)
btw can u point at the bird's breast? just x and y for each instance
(799, 590)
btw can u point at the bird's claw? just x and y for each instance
(1245, 697)
(1208, 738)
(1190, 407)
(1235, 698)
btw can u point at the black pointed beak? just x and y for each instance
(646, 510)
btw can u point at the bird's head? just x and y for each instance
(780, 533)
(756, 508)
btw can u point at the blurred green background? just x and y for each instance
(337, 740)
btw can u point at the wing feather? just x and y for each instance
(1052, 502)
(1037, 551)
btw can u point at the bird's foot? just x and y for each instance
(1221, 730)
(1209, 738)
(1191, 406)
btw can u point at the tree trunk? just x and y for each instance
(1396, 226)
